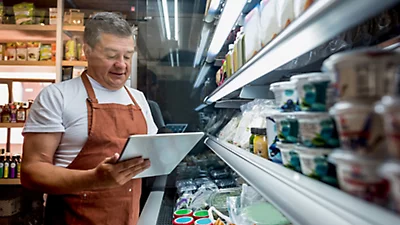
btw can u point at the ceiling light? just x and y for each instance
(166, 19)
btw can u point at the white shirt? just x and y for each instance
(62, 108)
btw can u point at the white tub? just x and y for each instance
(287, 127)
(285, 95)
(364, 73)
(359, 176)
(360, 128)
(389, 108)
(313, 161)
(391, 172)
(290, 157)
(317, 130)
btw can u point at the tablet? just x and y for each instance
(165, 151)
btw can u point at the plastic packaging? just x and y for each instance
(203, 221)
(359, 176)
(24, 13)
(33, 51)
(389, 108)
(363, 73)
(219, 174)
(200, 214)
(317, 130)
(360, 129)
(391, 171)
(314, 163)
(11, 52)
(183, 221)
(287, 127)
(45, 52)
(251, 30)
(285, 95)
(285, 13)
(269, 27)
(218, 198)
(225, 183)
(300, 6)
(312, 90)
(22, 51)
(183, 212)
(290, 156)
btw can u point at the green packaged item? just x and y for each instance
(24, 13)
(45, 53)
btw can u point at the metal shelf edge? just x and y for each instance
(301, 199)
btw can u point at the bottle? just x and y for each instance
(261, 143)
(5, 114)
(6, 167)
(21, 111)
(13, 168)
(1, 166)
(251, 140)
(18, 159)
(13, 115)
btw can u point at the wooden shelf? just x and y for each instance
(73, 28)
(14, 181)
(11, 125)
(33, 27)
(75, 63)
(27, 63)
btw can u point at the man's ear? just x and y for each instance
(87, 50)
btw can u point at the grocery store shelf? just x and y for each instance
(14, 181)
(319, 24)
(33, 27)
(74, 28)
(231, 104)
(27, 63)
(75, 63)
(200, 107)
(11, 125)
(301, 199)
(253, 92)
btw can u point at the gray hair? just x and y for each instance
(105, 22)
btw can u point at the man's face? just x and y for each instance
(109, 62)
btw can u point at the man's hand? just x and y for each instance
(110, 174)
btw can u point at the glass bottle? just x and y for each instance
(261, 143)
(13, 113)
(21, 112)
(6, 114)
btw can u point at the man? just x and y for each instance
(77, 129)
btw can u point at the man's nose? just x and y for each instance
(120, 63)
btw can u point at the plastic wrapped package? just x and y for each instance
(203, 180)
(24, 13)
(299, 6)
(225, 183)
(187, 189)
(269, 28)
(251, 31)
(285, 13)
(185, 182)
(218, 199)
(199, 200)
(228, 132)
(219, 174)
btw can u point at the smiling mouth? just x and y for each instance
(118, 74)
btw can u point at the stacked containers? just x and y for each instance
(360, 79)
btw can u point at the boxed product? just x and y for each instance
(11, 51)
(74, 17)
(269, 28)
(251, 31)
(70, 50)
(53, 16)
(22, 51)
(24, 13)
(45, 52)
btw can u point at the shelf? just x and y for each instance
(27, 63)
(200, 107)
(15, 181)
(33, 27)
(12, 125)
(75, 63)
(319, 24)
(302, 199)
(74, 28)
(231, 104)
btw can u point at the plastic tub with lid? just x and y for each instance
(317, 130)
(358, 176)
(364, 73)
(360, 128)
(290, 157)
(183, 212)
(314, 163)
(203, 221)
(186, 220)
(200, 214)
(391, 171)
(285, 95)
(287, 127)
(389, 108)
(314, 91)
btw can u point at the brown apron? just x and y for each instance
(109, 126)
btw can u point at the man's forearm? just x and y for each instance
(47, 178)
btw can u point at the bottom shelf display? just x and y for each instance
(13, 181)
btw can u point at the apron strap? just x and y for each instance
(132, 98)
(88, 87)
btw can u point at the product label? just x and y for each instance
(319, 132)
(21, 115)
(314, 96)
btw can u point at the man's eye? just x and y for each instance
(127, 57)
(111, 56)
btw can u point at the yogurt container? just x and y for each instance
(391, 171)
(360, 128)
(200, 214)
(317, 130)
(358, 175)
(364, 73)
(186, 220)
(183, 213)
(389, 108)
(314, 163)
(287, 127)
(285, 95)
(290, 157)
(203, 221)
(314, 91)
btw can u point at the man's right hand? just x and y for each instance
(111, 173)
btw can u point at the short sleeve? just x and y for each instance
(46, 112)
(151, 126)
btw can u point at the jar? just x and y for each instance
(261, 143)
(251, 139)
